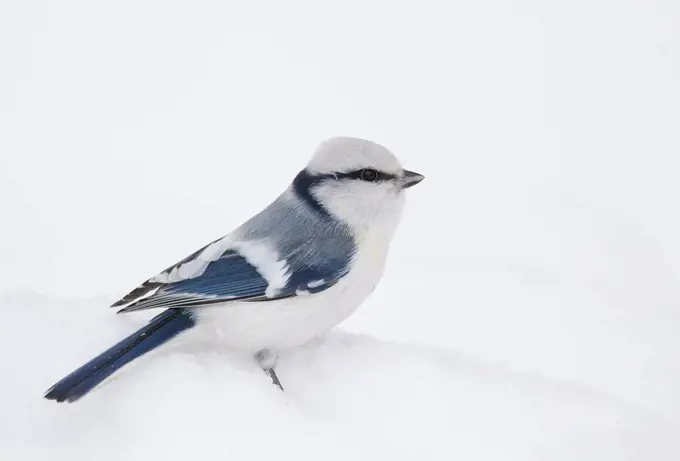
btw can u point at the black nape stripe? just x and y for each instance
(302, 185)
(305, 181)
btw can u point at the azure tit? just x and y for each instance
(287, 275)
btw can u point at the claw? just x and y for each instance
(267, 361)
(275, 379)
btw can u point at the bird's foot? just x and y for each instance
(275, 379)
(267, 361)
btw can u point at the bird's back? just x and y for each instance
(306, 239)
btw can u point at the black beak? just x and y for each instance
(410, 178)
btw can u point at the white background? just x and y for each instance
(531, 305)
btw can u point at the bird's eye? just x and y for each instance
(369, 175)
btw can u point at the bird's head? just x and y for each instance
(358, 182)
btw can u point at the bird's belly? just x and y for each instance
(276, 325)
(287, 323)
(291, 322)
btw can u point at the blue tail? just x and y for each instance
(160, 329)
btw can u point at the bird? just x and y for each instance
(284, 277)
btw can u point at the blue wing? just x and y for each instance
(203, 279)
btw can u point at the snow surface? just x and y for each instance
(531, 305)
(350, 396)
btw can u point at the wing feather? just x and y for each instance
(246, 271)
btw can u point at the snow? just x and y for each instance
(349, 396)
(531, 302)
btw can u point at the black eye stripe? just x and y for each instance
(357, 174)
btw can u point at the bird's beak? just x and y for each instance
(410, 178)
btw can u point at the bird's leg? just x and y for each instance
(267, 360)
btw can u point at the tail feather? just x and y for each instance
(159, 330)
